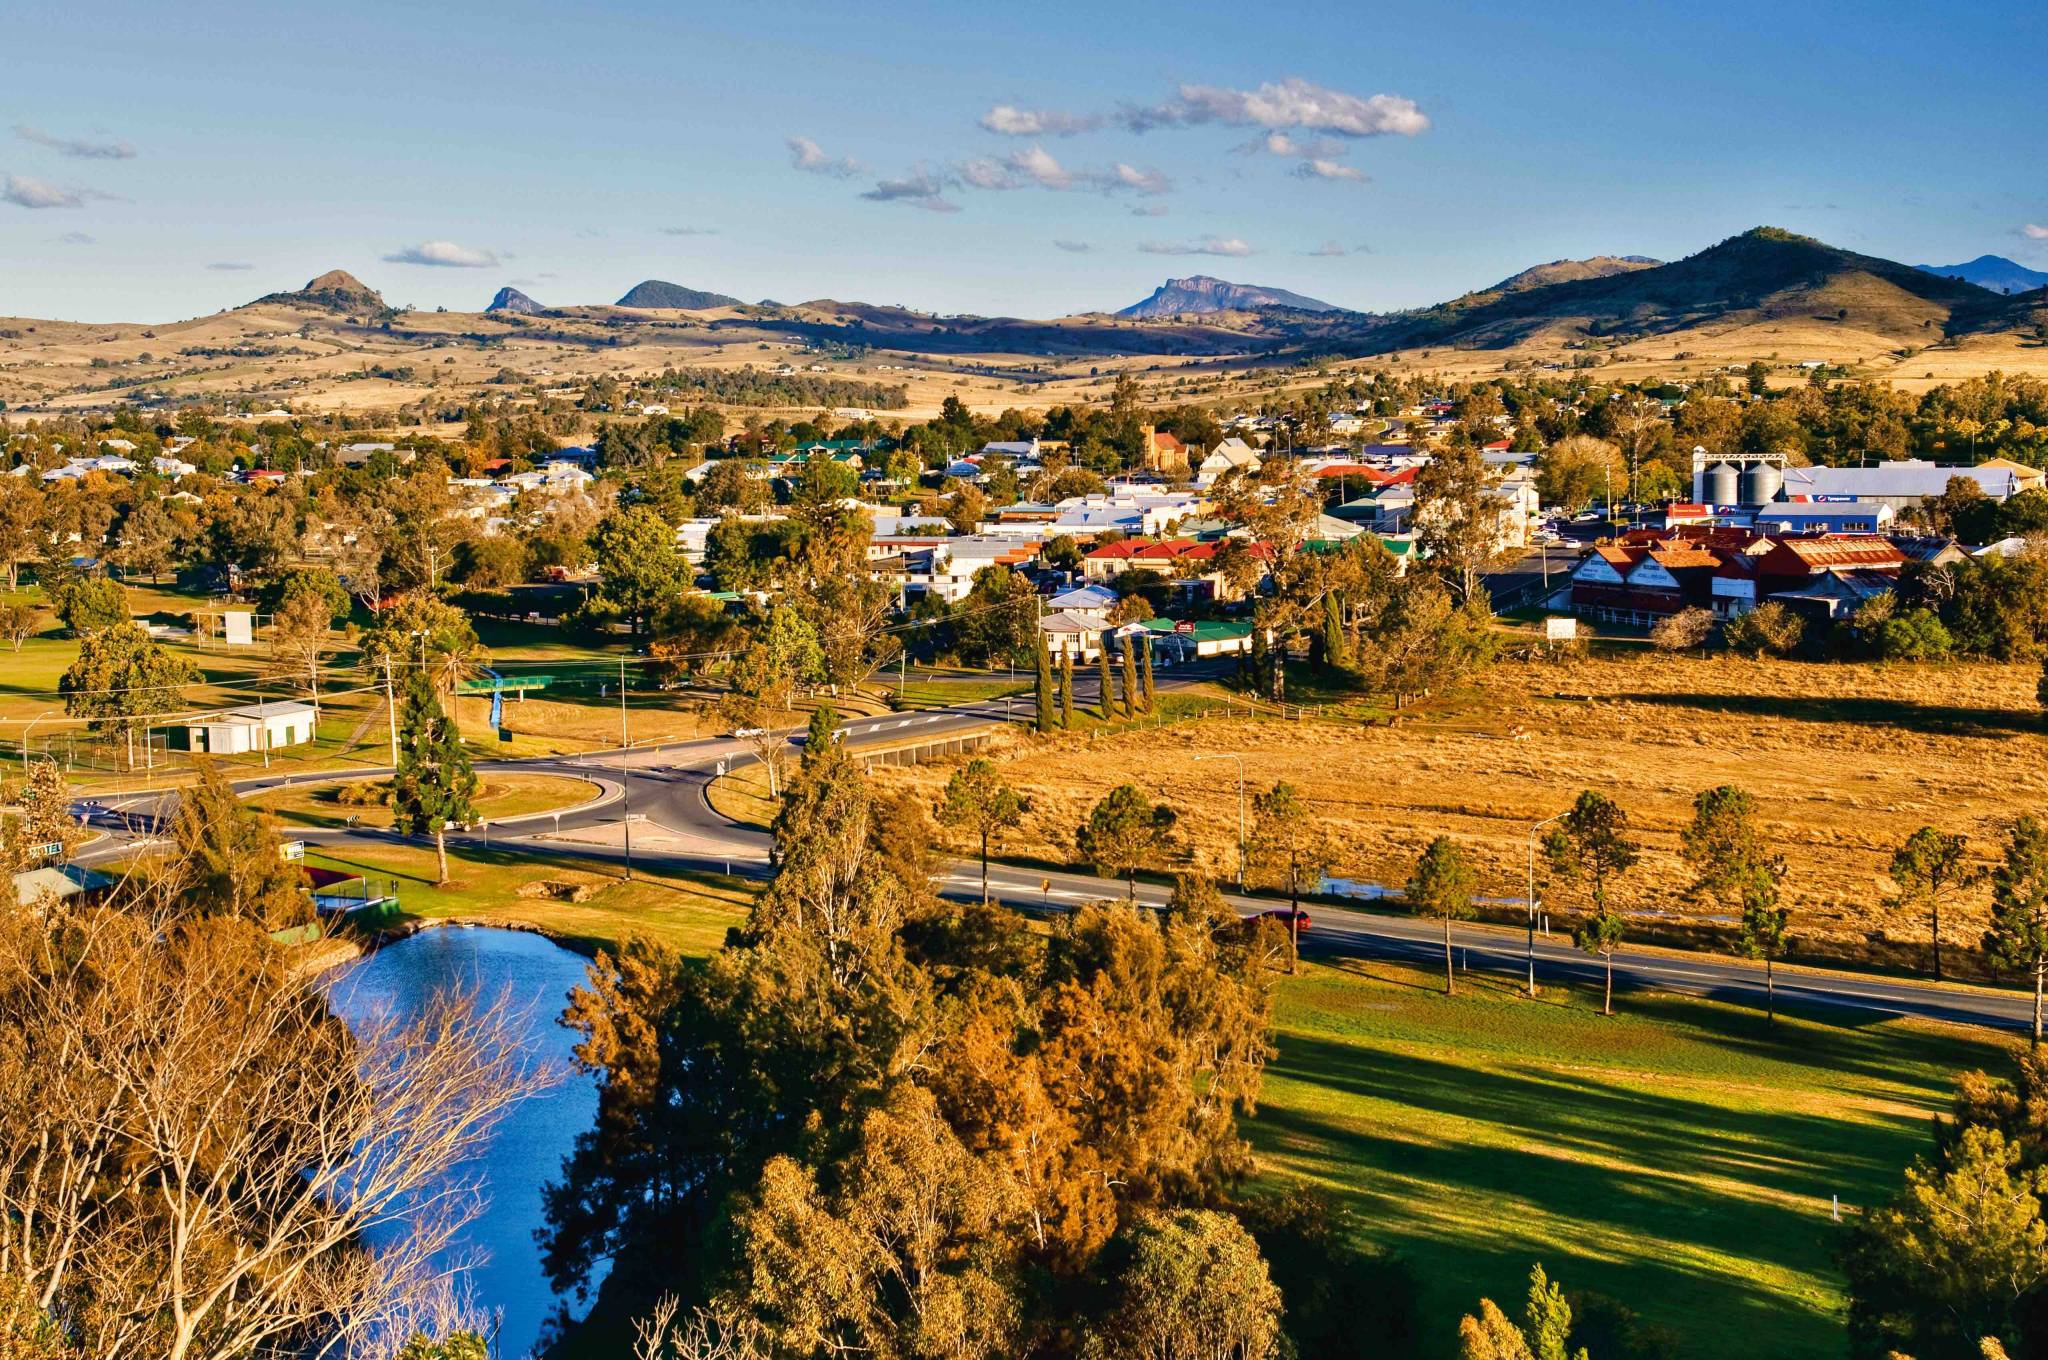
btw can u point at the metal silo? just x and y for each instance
(1761, 483)
(1721, 484)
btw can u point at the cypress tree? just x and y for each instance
(1043, 693)
(1130, 679)
(1108, 692)
(1148, 673)
(1067, 689)
(434, 783)
(1334, 655)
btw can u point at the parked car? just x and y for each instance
(1290, 917)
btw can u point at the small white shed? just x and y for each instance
(239, 731)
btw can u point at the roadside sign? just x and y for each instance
(47, 850)
(292, 850)
(1560, 629)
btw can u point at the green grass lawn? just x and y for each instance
(1679, 1157)
(688, 911)
(498, 795)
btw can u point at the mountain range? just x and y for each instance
(511, 300)
(1202, 294)
(1995, 272)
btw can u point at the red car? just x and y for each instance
(1292, 918)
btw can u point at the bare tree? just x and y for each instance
(202, 1161)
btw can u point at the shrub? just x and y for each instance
(1916, 635)
(1770, 629)
(1683, 631)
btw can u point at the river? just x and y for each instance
(527, 1150)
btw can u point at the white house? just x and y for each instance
(1232, 455)
(238, 731)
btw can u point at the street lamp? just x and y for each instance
(1532, 896)
(50, 712)
(1240, 812)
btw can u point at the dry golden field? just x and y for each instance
(1845, 760)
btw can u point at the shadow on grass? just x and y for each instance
(1945, 719)
(1689, 1208)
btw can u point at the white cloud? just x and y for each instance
(919, 189)
(2034, 231)
(1290, 103)
(1319, 167)
(1208, 245)
(1329, 250)
(24, 192)
(1144, 181)
(75, 238)
(689, 231)
(443, 255)
(1074, 247)
(1038, 165)
(807, 156)
(78, 148)
(1011, 121)
(984, 172)
(230, 266)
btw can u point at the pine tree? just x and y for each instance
(1334, 655)
(2018, 938)
(1130, 669)
(1043, 693)
(435, 783)
(1149, 691)
(1067, 689)
(1108, 692)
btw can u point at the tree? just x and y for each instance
(435, 784)
(1124, 833)
(1770, 629)
(1925, 868)
(200, 1157)
(1148, 690)
(1457, 522)
(1590, 843)
(121, 678)
(1683, 631)
(147, 538)
(1422, 641)
(783, 657)
(967, 509)
(1956, 1257)
(1442, 886)
(1067, 688)
(1733, 865)
(299, 637)
(1335, 655)
(91, 604)
(1545, 1332)
(21, 520)
(1195, 1286)
(1578, 470)
(1105, 704)
(20, 622)
(638, 565)
(1130, 679)
(229, 860)
(2018, 938)
(1288, 843)
(421, 633)
(978, 802)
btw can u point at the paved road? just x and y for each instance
(673, 826)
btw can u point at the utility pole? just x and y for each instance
(1241, 840)
(1532, 898)
(624, 740)
(391, 710)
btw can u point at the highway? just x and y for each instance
(664, 792)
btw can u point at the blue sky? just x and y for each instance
(160, 161)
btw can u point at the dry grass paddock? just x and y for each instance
(1845, 761)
